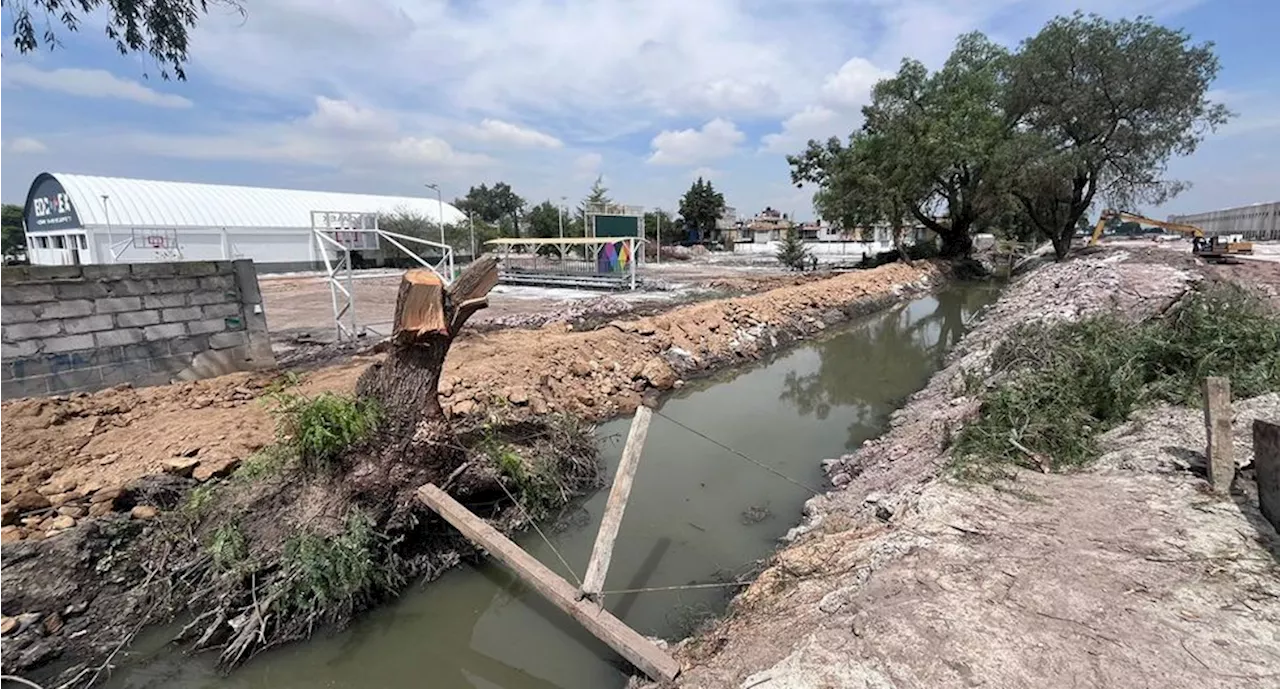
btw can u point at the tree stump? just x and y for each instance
(428, 317)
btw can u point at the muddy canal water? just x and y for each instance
(697, 513)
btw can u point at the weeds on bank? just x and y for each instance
(321, 428)
(1064, 384)
(227, 547)
(328, 571)
(534, 483)
(268, 461)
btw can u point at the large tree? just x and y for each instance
(938, 144)
(701, 206)
(493, 204)
(14, 239)
(1103, 105)
(157, 28)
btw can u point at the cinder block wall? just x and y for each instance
(82, 328)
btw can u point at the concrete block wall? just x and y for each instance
(83, 328)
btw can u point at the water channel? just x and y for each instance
(697, 513)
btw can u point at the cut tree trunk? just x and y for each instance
(428, 317)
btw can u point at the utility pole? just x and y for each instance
(106, 211)
(561, 209)
(440, 217)
(658, 250)
(472, 221)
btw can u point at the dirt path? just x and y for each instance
(63, 457)
(1126, 575)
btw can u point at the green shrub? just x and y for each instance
(321, 428)
(227, 546)
(268, 461)
(323, 572)
(199, 500)
(1065, 384)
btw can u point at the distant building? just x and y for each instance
(769, 225)
(1258, 222)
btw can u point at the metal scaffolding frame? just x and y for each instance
(341, 233)
(566, 270)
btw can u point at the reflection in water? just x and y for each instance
(907, 345)
(477, 627)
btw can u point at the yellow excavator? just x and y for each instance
(1210, 248)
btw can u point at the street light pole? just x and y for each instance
(106, 211)
(440, 202)
(561, 209)
(472, 221)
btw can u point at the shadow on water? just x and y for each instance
(697, 513)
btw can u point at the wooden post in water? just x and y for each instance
(593, 582)
(1217, 426)
(642, 653)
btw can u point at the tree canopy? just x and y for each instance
(701, 206)
(158, 28)
(493, 204)
(1088, 108)
(14, 239)
(1104, 105)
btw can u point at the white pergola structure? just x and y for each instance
(339, 233)
(606, 262)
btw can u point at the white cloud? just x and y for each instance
(498, 132)
(716, 139)
(703, 172)
(337, 133)
(587, 165)
(850, 87)
(25, 144)
(814, 122)
(89, 83)
(344, 116)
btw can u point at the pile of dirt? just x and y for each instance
(81, 446)
(1033, 577)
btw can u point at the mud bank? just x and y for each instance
(1124, 575)
(81, 510)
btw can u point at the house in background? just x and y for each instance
(768, 225)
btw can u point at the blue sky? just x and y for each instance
(382, 96)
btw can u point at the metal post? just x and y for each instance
(351, 294)
(561, 209)
(106, 211)
(472, 220)
(633, 263)
(658, 252)
(440, 203)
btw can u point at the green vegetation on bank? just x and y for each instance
(1062, 385)
(321, 428)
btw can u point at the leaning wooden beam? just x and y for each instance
(593, 582)
(642, 653)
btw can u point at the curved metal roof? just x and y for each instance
(151, 203)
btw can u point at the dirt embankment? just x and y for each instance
(1129, 574)
(65, 458)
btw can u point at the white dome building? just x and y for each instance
(76, 219)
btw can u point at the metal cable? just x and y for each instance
(534, 524)
(651, 589)
(756, 462)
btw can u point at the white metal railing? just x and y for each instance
(341, 269)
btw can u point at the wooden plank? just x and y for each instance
(602, 553)
(642, 653)
(1217, 425)
(1266, 464)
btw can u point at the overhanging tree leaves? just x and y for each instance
(701, 206)
(157, 28)
(1103, 106)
